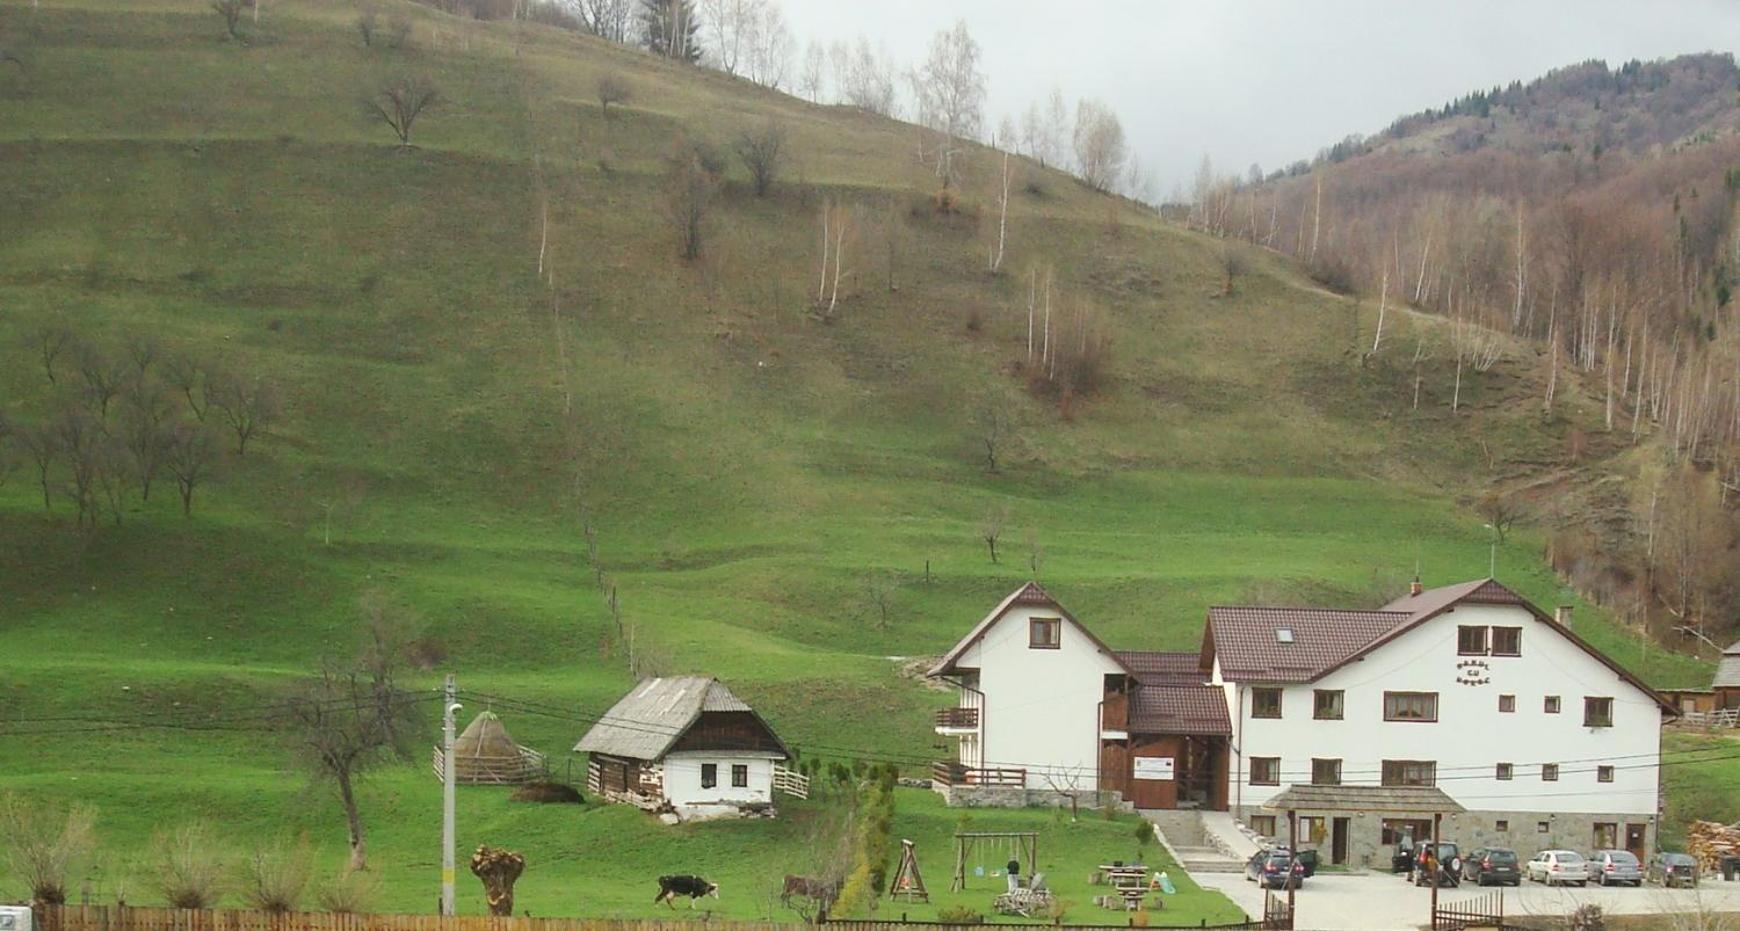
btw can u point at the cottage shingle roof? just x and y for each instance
(643, 724)
(1727, 672)
(1249, 646)
(1155, 668)
(1179, 709)
(1380, 799)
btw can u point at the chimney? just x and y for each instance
(1562, 615)
(1415, 588)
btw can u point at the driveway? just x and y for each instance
(1382, 902)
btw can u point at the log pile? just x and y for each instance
(1710, 841)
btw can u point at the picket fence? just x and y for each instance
(134, 918)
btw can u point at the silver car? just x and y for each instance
(1558, 868)
(1615, 868)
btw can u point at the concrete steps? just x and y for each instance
(1207, 860)
(1187, 837)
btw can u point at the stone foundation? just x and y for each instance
(1521, 832)
(1017, 797)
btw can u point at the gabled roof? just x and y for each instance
(1733, 649)
(1355, 634)
(1154, 668)
(1246, 641)
(1380, 799)
(1179, 709)
(1727, 672)
(643, 724)
(1030, 594)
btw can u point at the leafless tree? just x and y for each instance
(837, 235)
(399, 30)
(79, 439)
(729, 26)
(813, 75)
(1066, 782)
(401, 102)
(1035, 552)
(763, 153)
(1500, 512)
(878, 591)
(991, 527)
(1099, 144)
(1054, 130)
(950, 91)
(352, 716)
(770, 49)
(996, 428)
(43, 447)
(996, 260)
(143, 352)
(276, 873)
(231, 12)
(607, 19)
(146, 433)
(191, 455)
(189, 375)
(864, 77)
(44, 845)
(50, 342)
(367, 23)
(103, 376)
(612, 89)
(691, 179)
(248, 405)
(188, 865)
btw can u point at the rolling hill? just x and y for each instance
(505, 397)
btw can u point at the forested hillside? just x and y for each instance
(1590, 214)
(481, 340)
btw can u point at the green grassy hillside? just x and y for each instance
(453, 420)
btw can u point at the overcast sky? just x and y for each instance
(1269, 81)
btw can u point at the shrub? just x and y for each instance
(1333, 274)
(188, 866)
(351, 892)
(975, 319)
(960, 915)
(763, 153)
(548, 792)
(945, 202)
(40, 845)
(612, 89)
(273, 878)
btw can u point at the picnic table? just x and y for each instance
(1129, 882)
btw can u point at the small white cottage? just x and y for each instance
(684, 745)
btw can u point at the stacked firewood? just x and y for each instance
(1710, 841)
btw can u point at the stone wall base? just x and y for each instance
(1524, 832)
(1017, 797)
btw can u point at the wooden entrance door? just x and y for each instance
(1635, 837)
(1338, 841)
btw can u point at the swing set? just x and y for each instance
(1019, 845)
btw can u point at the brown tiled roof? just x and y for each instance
(1029, 594)
(1179, 709)
(1151, 668)
(1244, 639)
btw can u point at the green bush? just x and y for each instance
(960, 915)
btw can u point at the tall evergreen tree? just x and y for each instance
(670, 28)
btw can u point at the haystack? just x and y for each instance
(486, 754)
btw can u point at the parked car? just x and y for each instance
(1307, 858)
(1402, 861)
(1275, 868)
(1558, 867)
(1672, 869)
(1615, 868)
(1497, 866)
(1448, 861)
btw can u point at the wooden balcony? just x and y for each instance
(1115, 713)
(957, 720)
(948, 773)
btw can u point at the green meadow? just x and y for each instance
(794, 505)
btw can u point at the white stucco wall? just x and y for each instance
(1041, 707)
(1471, 735)
(682, 774)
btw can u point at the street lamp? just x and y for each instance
(449, 780)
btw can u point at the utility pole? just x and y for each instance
(449, 781)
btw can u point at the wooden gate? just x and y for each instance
(1486, 911)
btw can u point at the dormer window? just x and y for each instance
(1283, 635)
(1044, 633)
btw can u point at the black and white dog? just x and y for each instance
(692, 886)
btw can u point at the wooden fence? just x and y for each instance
(131, 918)
(1727, 717)
(1487, 911)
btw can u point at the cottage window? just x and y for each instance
(1313, 829)
(740, 775)
(1597, 712)
(1549, 772)
(1325, 772)
(1410, 772)
(1326, 704)
(1398, 830)
(1507, 641)
(1606, 835)
(1264, 825)
(1043, 633)
(1506, 704)
(1471, 641)
(1265, 770)
(1504, 771)
(709, 775)
(1501, 825)
(1541, 827)
(1551, 706)
(1265, 703)
(1603, 774)
(1411, 706)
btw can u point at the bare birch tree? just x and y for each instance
(1099, 145)
(950, 91)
